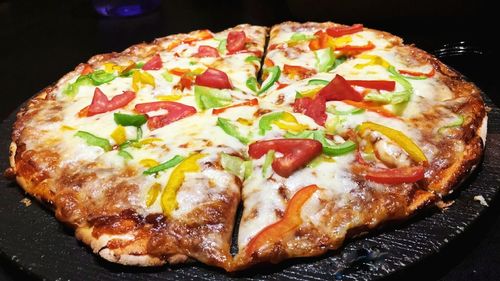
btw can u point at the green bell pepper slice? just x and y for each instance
(325, 59)
(93, 140)
(172, 162)
(274, 75)
(206, 97)
(231, 130)
(99, 77)
(130, 119)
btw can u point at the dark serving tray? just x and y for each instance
(34, 242)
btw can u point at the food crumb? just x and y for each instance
(26, 202)
(481, 200)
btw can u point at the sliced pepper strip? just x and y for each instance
(119, 135)
(235, 165)
(231, 130)
(344, 30)
(130, 119)
(283, 120)
(206, 97)
(251, 102)
(371, 107)
(169, 194)
(398, 137)
(164, 166)
(290, 221)
(418, 74)
(275, 73)
(349, 48)
(153, 192)
(93, 140)
(396, 175)
(457, 123)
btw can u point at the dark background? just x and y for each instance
(42, 40)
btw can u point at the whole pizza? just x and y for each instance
(318, 131)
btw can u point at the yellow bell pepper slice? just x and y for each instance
(339, 41)
(398, 137)
(153, 192)
(141, 78)
(168, 197)
(148, 163)
(119, 135)
(288, 122)
(169, 97)
(149, 140)
(67, 128)
(244, 121)
(373, 60)
(110, 67)
(311, 93)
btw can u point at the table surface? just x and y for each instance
(42, 40)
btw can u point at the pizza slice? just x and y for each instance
(345, 150)
(127, 151)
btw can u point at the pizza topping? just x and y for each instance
(339, 89)
(236, 41)
(231, 130)
(165, 165)
(252, 59)
(100, 103)
(198, 35)
(222, 46)
(297, 72)
(283, 120)
(72, 88)
(87, 69)
(399, 138)
(206, 51)
(395, 175)
(142, 78)
(313, 107)
(325, 59)
(99, 77)
(119, 135)
(251, 102)
(328, 148)
(341, 30)
(374, 84)
(152, 195)
(153, 64)
(213, 78)
(455, 124)
(252, 84)
(274, 75)
(236, 165)
(290, 221)
(314, 82)
(296, 153)
(370, 106)
(93, 140)
(300, 37)
(417, 75)
(355, 49)
(206, 97)
(354, 110)
(169, 194)
(129, 120)
(148, 162)
(176, 111)
(320, 41)
(267, 162)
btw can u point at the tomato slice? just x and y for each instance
(341, 31)
(235, 41)
(396, 175)
(101, 104)
(213, 78)
(320, 41)
(313, 107)
(206, 51)
(153, 64)
(296, 153)
(349, 48)
(339, 89)
(289, 222)
(297, 71)
(176, 111)
(251, 102)
(374, 84)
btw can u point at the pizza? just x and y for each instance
(321, 133)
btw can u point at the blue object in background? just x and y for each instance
(124, 8)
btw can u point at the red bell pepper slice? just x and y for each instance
(251, 102)
(206, 51)
(415, 73)
(213, 78)
(176, 111)
(296, 153)
(281, 85)
(268, 62)
(235, 41)
(100, 103)
(290, 221)
(153, 64)
(179, 71)
(374, 84)
(298, 71)
(349, 48)
(186, 82)
(320, 41)
(371, 107)
(87, 69)
(344, 30)
(396, 175)
(313, 107)
(339, 89)
(198, 35)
